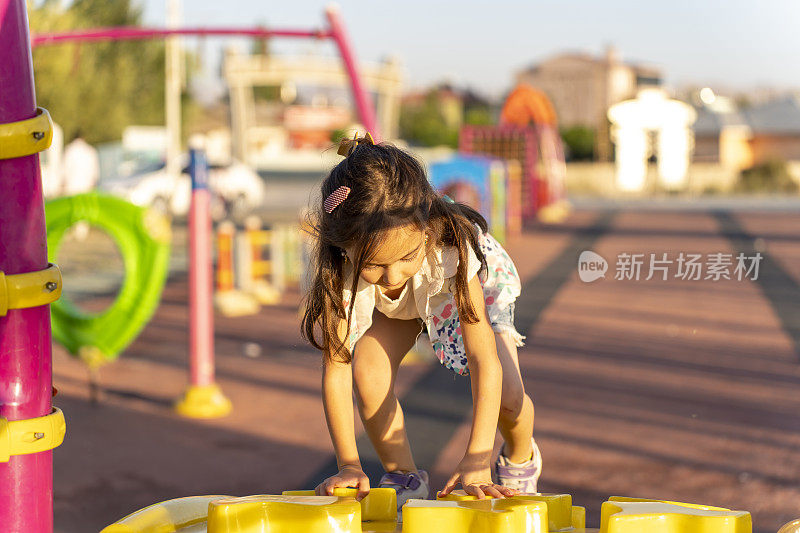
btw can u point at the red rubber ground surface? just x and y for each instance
(682, 390)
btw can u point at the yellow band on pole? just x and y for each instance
(26, 137)
(33, 435)
(31, 289)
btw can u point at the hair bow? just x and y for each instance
(346, 146)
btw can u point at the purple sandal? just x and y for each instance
(407, 485)
(525, 476)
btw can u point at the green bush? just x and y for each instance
(478, 116)
(579, 141)
(338, 135)
(770, 176)
(424, 125)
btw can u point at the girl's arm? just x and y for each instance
(486, 378)
(337, 399)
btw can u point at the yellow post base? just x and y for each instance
(265, 293)
(555, 213)
(236, 303)
(205, 401)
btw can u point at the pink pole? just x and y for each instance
(362, 99)
(201, 314)
(135, 33)
(26, 379)
(337, 32)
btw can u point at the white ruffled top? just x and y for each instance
(427, 288)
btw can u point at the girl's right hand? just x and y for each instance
(348, 476)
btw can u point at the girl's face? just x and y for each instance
(398, 257)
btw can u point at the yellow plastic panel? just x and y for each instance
(578, 517)
(684, 504)
(383, 526)
(559, 506)
(497, 515)
(379, 505)
(790, 527)
(626, 515)
(180, 515)
(284, 514)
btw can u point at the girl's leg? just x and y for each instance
(516, 407)
(376, 358)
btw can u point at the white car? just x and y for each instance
(236, 189)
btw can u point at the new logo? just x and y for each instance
(591, 266)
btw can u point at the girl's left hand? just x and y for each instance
(476, 481)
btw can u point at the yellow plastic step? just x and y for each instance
(631, 515)
(171, 516)
(578, 517)
(296, 511)
(496, 515)
(379, 505)
(559, 508)
(284, 514)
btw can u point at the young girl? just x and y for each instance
(392, 255)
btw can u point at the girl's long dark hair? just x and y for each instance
(388, 189)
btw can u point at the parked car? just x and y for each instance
(236, 189)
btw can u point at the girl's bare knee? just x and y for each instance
(361, 366)
(372, 376)
(512, 400)
(365, 369)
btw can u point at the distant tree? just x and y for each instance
(339, 134)
(743, 101)
(772, 176)
(425, 125)
(99, 88)
(579, 141)
(478, 116)
(261, 46)
(267, 93)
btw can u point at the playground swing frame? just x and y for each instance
(335, 31)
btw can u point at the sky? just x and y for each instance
(731, 44)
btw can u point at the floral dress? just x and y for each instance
(432, 290)
(501, 286)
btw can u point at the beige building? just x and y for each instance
(741, 138)
(775, 127)
(582, 88)
(721, 135)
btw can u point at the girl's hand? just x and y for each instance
(348, 476)
(476, 480)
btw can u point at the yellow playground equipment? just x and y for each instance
(255, 266)
(302, 511)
